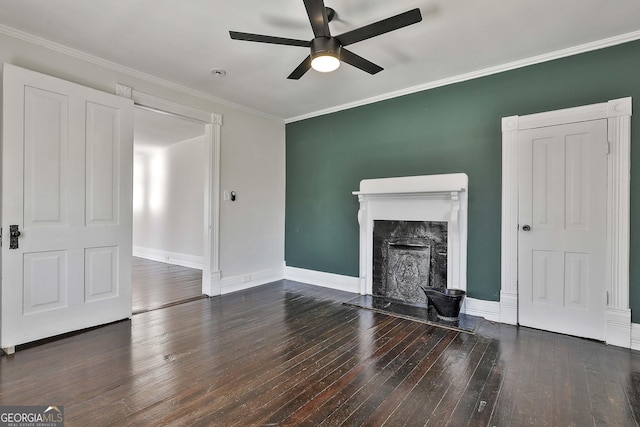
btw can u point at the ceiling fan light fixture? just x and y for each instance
(325, 63)
(325, 54)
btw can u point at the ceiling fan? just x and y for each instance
(327, 51)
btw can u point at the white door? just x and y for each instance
(66, 183)
(562, 223)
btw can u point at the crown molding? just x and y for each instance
(587, 47)
(583, 48)
(57, 47)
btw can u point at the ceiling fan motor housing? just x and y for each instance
(321, 46)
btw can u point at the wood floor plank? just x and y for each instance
(470, 402)
(313, 393)
(340, 405)
(619, 384)
(234, 368)
(399, 338)
(157, 284)
(370, 397)
(290, 354)
(420, 402)
(404, 381)
(518, 341)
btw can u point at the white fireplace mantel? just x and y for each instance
(416, 198)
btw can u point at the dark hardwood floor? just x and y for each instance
(293, 354)
(157, 285)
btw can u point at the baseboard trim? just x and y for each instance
(490, 310)
(251, 280)
(508, 308)
(618, 327)
(175, 258)
(635, 336)
(320, 278)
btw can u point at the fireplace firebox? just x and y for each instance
(408, 255)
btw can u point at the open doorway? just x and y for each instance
(169, 176)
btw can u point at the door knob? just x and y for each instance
(14, 233)
(526, 228)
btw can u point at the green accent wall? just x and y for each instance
(455, 128)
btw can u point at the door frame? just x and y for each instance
(618, 115)
(213, 123)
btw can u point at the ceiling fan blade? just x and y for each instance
(235, 35)
(301, 69)
(359, 62)
(318, 17)
(395, 22)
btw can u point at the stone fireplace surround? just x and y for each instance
(416, 198)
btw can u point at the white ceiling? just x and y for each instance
(153, 130)
(180, 41)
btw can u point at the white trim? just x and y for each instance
(508, 308)
(213, 122)
(246, 281)
(509, 244)
(9, 350)
(490, 310)
(175, 258)
(618, 115)
(635, 336)
(57, 47)
(618, 327)
(212, 285)
(583, 48)
(326, 280)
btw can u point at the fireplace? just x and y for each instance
(413, 231)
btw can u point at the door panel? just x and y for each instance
(101, 273)
(66, 182)
(577, 173)
(544, 275)
(45, 281)
(45, 163)
(545, 165)
(576, 280)
(102, 159)
(562, 197)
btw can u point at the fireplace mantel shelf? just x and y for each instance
(445, 183)
(404, 192)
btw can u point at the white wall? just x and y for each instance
(252, 158)
(168, 203)
(252, 164)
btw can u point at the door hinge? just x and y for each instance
(608, 147)
(607, 298)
